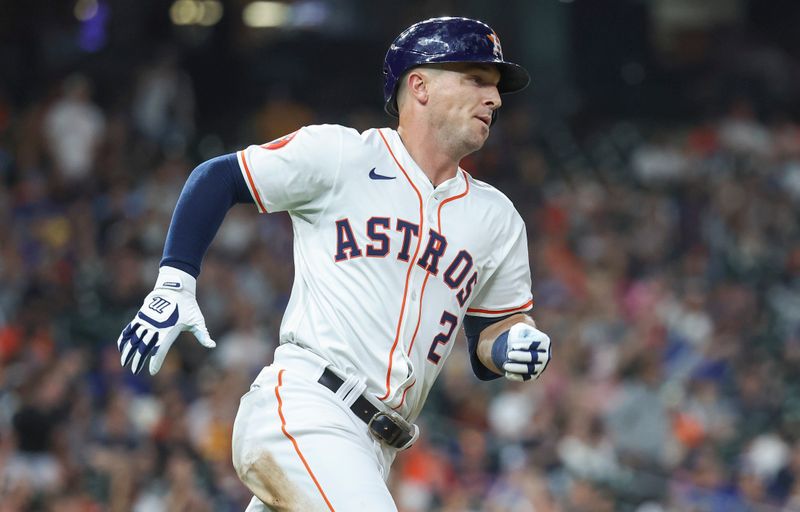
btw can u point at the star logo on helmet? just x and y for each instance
(497, 50)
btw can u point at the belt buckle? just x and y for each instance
(401, 425)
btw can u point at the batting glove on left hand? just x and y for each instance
(522, 352)
(167, 311)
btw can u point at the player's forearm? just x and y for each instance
(212, 188)
(489, 337)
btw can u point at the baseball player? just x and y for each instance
(395, 248)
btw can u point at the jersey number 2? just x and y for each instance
(442, 338)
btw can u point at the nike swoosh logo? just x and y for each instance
(375, 176)
(169, 322)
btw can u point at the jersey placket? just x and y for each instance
(414, 333)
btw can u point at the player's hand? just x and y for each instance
(527, 352)
(167, 311)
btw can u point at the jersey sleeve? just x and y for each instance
(293, 173)
(508, 290)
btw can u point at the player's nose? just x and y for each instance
(492, 99)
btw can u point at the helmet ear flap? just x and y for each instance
(392, 106)
(392, 84)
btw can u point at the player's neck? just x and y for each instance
(437, 165)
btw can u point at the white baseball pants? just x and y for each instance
(298, 447)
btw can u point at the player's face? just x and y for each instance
(463, 97)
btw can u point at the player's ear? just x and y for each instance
(417, 83)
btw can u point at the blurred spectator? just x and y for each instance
(36, 427)
(659, 163)
(163, 103)
(521, 490)
(639, 423)
(426, 478)
(74, 131)
(179, 489)
(586, 451)
(741, 133)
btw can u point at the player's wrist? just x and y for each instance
(171, 278)
(500, 351)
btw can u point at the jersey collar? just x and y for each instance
(453, 186)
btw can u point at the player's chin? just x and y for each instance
(479, 138)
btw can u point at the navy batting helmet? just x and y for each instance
(449, 39)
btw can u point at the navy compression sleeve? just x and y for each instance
(473, 326)
(212, 188)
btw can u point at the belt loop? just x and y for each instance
(355, 393)
(345, 392)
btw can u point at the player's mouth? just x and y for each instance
(485, 119)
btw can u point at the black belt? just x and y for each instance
(389, 428)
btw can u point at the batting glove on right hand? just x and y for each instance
(522, 352)
(167, 311)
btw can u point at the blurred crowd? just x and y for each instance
(666, 265)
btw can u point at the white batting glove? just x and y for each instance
(526, 352)
(168, 310)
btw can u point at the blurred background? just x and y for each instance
(655, 159)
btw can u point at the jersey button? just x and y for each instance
(414, 295)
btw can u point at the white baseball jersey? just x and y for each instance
(386, 265)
